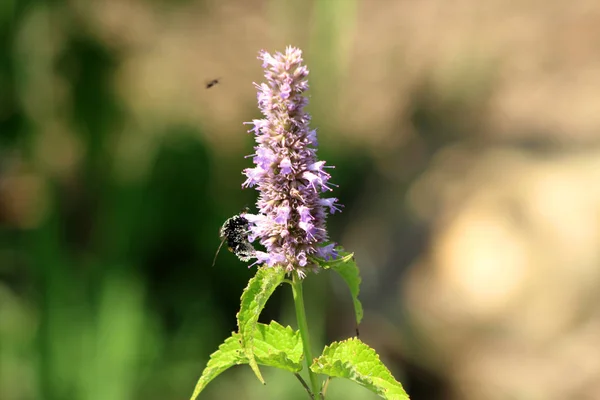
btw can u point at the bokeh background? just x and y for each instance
(465, 136)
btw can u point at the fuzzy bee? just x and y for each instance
(235, 232)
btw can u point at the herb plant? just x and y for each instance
(291, 227)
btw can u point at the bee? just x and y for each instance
(235, 232)
(212, 83)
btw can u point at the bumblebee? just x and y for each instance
(235, 232)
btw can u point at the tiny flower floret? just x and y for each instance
(291, 223)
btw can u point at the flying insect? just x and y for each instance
(213, 83)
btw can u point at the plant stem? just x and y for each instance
(303, 327)
(325, 386)
(303, 383)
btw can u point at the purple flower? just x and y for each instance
(289, 177)
(331, 204)
(286, 166)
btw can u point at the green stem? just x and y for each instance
(303, 327)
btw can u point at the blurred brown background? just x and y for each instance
(465, 136)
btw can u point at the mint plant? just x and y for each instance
(291, 226)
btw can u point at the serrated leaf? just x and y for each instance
(275, 346)
(346, 267)
(354, 360)
(230, 353)
(254, 298)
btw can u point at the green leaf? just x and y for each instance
(354, 360)
(275, 346)
(346, 266)
(254, 298)
(230, 353)
(279, 347)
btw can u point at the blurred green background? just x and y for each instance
(464, 137)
